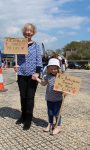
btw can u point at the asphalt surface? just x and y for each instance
(75, 127)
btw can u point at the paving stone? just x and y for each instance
(75, 128)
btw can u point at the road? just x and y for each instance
(84, 75)
(75, 125)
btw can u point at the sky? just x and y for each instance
(58, 22)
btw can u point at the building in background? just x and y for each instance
(7, 60)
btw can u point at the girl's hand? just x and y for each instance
(16, 68)
(35, 76)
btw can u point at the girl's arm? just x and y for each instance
(42, 82)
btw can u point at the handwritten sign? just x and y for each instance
(16, 46)
(66, 83)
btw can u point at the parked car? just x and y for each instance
(87, 66)
(74, 65)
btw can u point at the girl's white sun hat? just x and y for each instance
(54, 61)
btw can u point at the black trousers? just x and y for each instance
(27, 88)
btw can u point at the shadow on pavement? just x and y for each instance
(39, 122)
(15, 114)
(9, 112)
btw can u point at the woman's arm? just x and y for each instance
(39, 58)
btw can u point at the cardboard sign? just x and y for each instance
(66, 83)
(16, 46)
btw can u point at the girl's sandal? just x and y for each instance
(56, 130)
(47, 129)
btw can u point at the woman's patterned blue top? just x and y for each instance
(29, 63)
(52, 95)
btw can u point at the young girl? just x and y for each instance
(53, 98)
(28, 65)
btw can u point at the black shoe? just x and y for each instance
(19, 121)
(27, 125)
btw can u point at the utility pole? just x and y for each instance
(43, 48)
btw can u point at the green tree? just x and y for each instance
(78, 50)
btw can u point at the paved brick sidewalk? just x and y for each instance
(75, 128)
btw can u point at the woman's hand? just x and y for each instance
(16, 68)
(35, 76)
